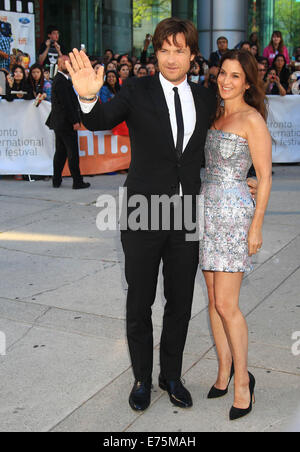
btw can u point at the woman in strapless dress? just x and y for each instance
(232, 225)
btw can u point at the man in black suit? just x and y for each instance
(168, 119)
(64, 119)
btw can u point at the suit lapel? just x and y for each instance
(159, 100)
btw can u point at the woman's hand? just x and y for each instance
(255, 240)
(86, 82)
(10, 80)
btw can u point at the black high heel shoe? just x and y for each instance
(237, 413)
(216, 393)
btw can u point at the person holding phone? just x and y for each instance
(51, 49)
(272, 83)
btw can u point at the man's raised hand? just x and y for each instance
(86, 82)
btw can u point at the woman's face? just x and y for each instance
(232, 80)
(254, 50)
(111, 79)
(18, 75)
(124, 72)
(279, 63)
(136, 69)
(276, 40)
(36, 74)
(196, 69)
(272, 75)
(111, 67)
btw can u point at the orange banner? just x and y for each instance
(101, 152)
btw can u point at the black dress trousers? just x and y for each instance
(144, 251)
(66, 148)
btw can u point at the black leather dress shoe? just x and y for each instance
(56, 184)
(81, 185)
(178, 394)
(140, 397)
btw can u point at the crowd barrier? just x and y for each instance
(27, 146)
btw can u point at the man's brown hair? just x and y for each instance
(172, 27)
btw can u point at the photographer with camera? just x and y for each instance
(51, 50)
(272, 83)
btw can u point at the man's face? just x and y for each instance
(54, 36)
(261, 71)
(174, 62)
(222, 45)
(62, 64)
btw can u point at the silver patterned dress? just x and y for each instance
(228, 204)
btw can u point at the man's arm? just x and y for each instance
(87, 84)
(4, 55)
(44, 53)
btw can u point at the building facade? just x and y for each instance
(123, 24)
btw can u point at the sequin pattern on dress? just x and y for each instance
(228, 204)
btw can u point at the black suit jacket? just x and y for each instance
(65, 107)
(155, 167)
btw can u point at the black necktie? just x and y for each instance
(180, 124)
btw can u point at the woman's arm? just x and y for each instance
(260, 144)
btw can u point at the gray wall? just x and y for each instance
(221, 18)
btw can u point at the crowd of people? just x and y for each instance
(28, 82)
(24, 81)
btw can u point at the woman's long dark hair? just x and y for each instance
(37, 87)
(255, 95)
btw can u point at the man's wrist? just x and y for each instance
(88, 99)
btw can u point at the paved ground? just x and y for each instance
(62, 310)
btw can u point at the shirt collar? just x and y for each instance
(65, 75)
(169, 86)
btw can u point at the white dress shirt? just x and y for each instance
(187, 105)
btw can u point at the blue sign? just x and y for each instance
(24, 21)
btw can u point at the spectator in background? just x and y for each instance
(264, 61)
(17, 82)
(64, 119)
(196, 73)
(47, 84)
(276, 47)
(215, 57)
(110, 88)
(136, 68)
(124, 73)
(38, 84)
(261, 71)
(142, 72)
(108, 55)
(280, 65)
(5, 43)
(295, 63)
(51, 50)
(272, 84)
(111, 67)
(151, 69)
(253, 39)
(211, 79)
(96, 65)
(254, 50)
(245, 45)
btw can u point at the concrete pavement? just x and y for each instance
(62, 315)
